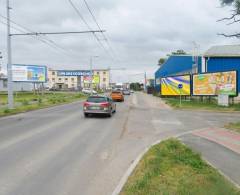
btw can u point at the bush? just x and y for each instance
(25, 102)
(6, 111)
(39, 100)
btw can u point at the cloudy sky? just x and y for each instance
(139, 32)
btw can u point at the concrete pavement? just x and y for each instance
(58, 151)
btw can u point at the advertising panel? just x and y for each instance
(219, 83)
(74, 73)
(29, 73)
(170, 85)
(87, 79)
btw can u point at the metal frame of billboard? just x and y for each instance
(173, 77)
(213, 73)
(43, 66)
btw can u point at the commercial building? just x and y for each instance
(178, 65)
(221, 58)
(78, 79)
(17, 86)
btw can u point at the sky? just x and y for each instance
(138, 33)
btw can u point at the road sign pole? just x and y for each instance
(9, 62)
(180, 86)
(180, 97)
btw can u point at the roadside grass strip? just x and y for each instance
(233, 126)
(171, 168)
(196, 104)
(34, 102)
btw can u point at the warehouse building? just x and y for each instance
(223, 58)
(217, 59)
(178, 65)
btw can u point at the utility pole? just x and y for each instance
(110, 69)
(145, 81)
(9, 60)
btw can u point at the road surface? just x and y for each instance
(56, 151)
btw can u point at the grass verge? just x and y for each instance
(196, 104)
(233, 126)
(172, 168)
(35, 102)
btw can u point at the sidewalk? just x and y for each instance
(220, 147)
(224, 137)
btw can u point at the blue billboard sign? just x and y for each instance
(73, 72)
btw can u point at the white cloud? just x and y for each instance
(140, 31)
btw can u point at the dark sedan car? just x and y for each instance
(99, 105)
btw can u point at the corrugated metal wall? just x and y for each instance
(224, 64)
(176, 65)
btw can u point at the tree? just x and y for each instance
(179, 52)
(135, 86)
(234, 17)
(161, 61)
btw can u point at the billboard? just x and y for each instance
(219, 83)
(87, 79)
(29, 73)
(74, 73)
(169, 85)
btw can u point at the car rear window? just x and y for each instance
(97, 99)
(116, 92)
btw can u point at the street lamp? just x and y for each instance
(91, 69)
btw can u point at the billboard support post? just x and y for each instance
(180, 98)
(180, 86)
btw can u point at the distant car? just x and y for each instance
(99, 105)
(88, 91)
(126, 92)
(117, 96)
(131, 91)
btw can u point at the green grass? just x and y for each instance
(171, 168)
(28, 101)
(233, 126)
(197, 104)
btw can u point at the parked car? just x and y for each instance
(99, 105)
(117, 96)
(126, 92)
(88, 91)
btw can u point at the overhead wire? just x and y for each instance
(96, 22)
(88, 26)
(40, 38)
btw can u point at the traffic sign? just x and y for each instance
(180, 86)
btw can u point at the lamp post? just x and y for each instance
(91, 70)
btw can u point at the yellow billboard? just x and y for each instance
(219, 83)
(170, 85)
(87, 79)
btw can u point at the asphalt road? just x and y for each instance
(57, 151)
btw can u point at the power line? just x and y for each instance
(88, 26)
(50, 43)
(95, 20)
(42, 38)
(55, 33)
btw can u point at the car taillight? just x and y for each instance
(85, 104)
(105, 104)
